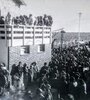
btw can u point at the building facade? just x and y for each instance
(25, 43)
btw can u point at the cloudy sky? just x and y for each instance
(64, 12)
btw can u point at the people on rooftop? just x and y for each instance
(45, 20)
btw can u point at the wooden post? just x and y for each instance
(23, 35)
(5, 34)
(34, 35)
(12, 35)
(42, 34)
(50, 36)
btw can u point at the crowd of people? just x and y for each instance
(29, 74)
(23, 76)
(45, 20)
(68, 73)
(72, 69)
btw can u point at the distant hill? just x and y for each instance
(68, 36)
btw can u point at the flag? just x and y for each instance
(19, 2)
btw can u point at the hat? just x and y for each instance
(1, 65)
(29, 92)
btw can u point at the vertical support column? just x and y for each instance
(34, 35)
(0, 13)
(8, 59)
(23, 35)
(50, 36)
(12, 35)
(5, 34)
(43, 35)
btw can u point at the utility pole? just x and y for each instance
(79, 37)
(62, 38)
(0, 12)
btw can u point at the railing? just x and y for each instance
(13, 32)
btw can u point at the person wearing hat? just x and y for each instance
(2, 20)
(4, 72)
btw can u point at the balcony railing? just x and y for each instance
(21, 32)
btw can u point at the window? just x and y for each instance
(25, 50)
(41, 48)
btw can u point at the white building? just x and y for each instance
(25, 44)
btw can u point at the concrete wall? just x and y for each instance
(3, 52)
(40, 58)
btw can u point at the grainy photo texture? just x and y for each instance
(44, 49)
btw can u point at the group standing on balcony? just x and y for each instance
(45, 20)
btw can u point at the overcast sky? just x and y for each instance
(64, 12)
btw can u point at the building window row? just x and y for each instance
(24, 50)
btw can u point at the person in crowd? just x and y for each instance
(69, 97)
(63, 87)
(88, 85)
(44, 69)
(4, 73)
(20, 71)
(48, 95)
(30, 19)
(2, 21)
(40, 94)
(13, 71)
(16, 81)
(73, 87)
(50, 21)
(17, 75)
(25, 75)
(40, 21)
(45, 19)
(8, 19)
(34, 71)
(82, 91)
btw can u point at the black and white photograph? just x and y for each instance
(44, 49)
